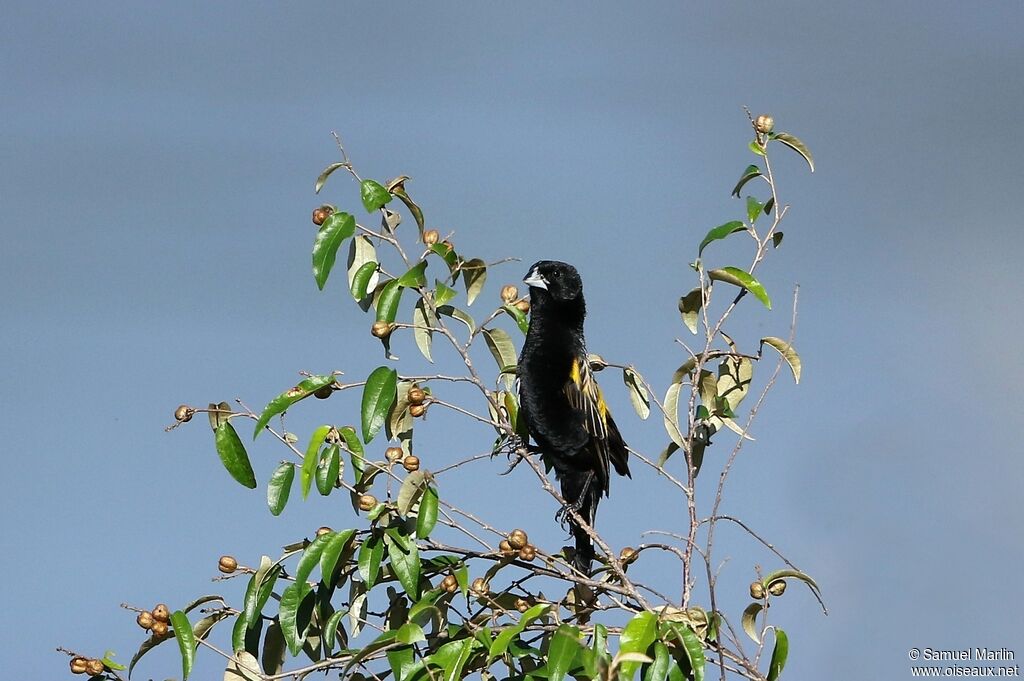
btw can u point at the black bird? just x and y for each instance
(561, 401)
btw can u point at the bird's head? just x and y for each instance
(554, 280)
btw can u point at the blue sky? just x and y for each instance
(156, 184)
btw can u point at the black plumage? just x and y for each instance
(561, 401)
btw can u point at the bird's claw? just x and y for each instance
(517, 454)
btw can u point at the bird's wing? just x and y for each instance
(585, 396)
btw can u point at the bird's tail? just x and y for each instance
(582, 492)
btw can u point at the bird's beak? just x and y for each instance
(535, 280)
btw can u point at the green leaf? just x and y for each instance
(638, 394)
(312, 458)
(795, 574)
(776, 239)
(474, 275)
(108, 661)
(788, 353)
(147, 645)
(361, 279)
(749, 621)
(258, 591)
(397, 188)
(694, 650)
(671, 418)
(500, 643)
(452, 657)
(378, 395)
(410, 491)
(749, 174)
(658, 670)
(336, 228)
(232, 455)
(738, 277)
(368, 560)
(415, 277)
(282, 402)
(330, 629)
(502, 349)
(387, 303)
(756, 147)
(355, 448)
(565, 646)
(279, 487)
(456, 313)
(721, 232)
(637, 637)
(405, 561)
(754, 208)
(449, 256)
(295, 613)
(332, 549)
(426, 518)
(374, 195)
(515, 313)
(186, 641)
(324, 175)
(424, 322)
(796, 145)
(401, 661)
(311, 557)
(779, 655)
(328, 469)
(689, 308)
(444, 293)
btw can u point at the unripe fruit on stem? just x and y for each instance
(479, 586)
(523, 306)
(382, 329)
(322, 530)
(431, 237)
(79, 665)
(417, 410)
(416, 395)
(517, 539)
(522, 605)
(528, 552)
(757, 590)
(367, 502)
(777, 588)
(764, 124)
(145, 619)
(411, 463)
(627, 555)
(161, 613)
(94, 667)
(394, 454)
(227, 564)
(159, 629)
(509, 294)
(323, 393)
(183, 414)
(506, 548)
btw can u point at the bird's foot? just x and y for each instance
(563, 516)
(517, 454)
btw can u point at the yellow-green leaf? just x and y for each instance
(720, 232)
(324, 175)
(689, 308)
(788, 353)
(796, 145)
(638, 394)
(379, 394)
(779, 655)
(186, 641)
(374, 195)
(474, 275)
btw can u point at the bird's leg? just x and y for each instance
(562, 515)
